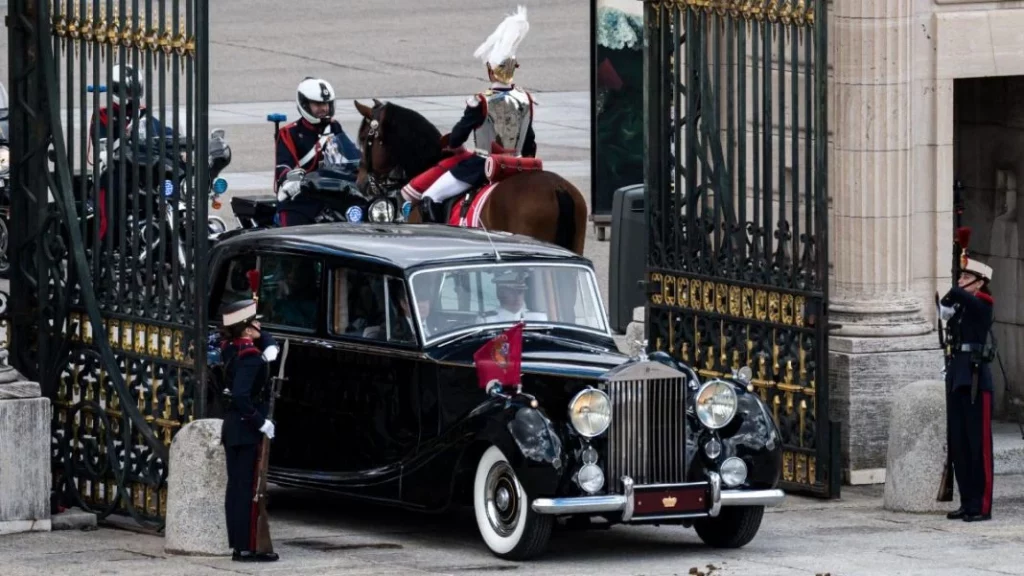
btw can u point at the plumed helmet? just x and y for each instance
(315, 90)
(125, 81)
(499, 49)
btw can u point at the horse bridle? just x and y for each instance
(394, 178)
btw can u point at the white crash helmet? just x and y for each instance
(315, 90)
(127, 77)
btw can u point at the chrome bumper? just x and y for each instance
(624, 502)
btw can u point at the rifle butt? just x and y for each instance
(946, 482)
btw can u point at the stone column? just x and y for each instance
(884, 341)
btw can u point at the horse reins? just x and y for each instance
(373, 135)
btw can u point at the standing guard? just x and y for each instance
(500, 119)
(246, 356)
(967, 308)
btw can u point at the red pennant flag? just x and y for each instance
(501, 358)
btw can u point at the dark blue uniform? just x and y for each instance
(471, 170)
(299, 146)
(969, 416)
(247, 375)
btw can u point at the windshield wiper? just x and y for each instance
(575, 343)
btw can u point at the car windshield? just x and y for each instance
(466, 298)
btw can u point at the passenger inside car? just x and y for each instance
(511, 289)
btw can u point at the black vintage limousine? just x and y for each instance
(382, 401)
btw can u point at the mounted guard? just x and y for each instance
(500, 119)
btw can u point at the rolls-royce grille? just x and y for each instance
(647, 437)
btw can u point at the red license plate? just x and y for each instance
(661, 501)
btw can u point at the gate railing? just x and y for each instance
(736, 183)
(109, 236)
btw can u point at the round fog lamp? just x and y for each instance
(734, 472)
(713, 448)
(382, 211)
(590, 478)
(589, 455)
(590, 412)
(716, 404)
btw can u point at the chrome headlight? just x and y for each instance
(590, 412)
(382, 211)
(734, 472)
(5, 159)
(716, 404)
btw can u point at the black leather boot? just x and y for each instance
(957, 514)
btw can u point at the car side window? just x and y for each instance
(370, 306)
(235, 284)
(289, 290)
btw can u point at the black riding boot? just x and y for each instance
(430, 211)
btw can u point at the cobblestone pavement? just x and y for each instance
(319, 535)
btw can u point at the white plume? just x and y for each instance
(502, 43)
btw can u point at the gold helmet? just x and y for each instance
(499, 50)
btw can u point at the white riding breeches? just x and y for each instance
(445, 187)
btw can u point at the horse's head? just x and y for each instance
(397, 143)
(375, 160)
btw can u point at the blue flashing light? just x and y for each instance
(220, 186)
(90, 88)
(276, 117)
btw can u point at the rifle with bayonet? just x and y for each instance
(961, 239)
(263, 543)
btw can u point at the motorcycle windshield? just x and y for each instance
(340, 156)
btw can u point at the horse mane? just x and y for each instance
(414, 143)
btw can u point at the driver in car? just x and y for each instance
(301, 148)
(511, 290)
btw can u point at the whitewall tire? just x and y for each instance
(507, 525)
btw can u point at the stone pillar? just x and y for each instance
(24, 455)
(196, 485)
(884, 340)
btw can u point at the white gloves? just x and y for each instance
(291, 185)
(946, 312)
(270, 354)
(268, 428)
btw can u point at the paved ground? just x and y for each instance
(317, 535)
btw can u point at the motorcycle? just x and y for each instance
(333, 185)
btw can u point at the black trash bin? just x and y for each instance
(628, 255)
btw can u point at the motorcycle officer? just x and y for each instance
(246, 355)
(302, 147)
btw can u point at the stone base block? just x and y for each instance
(196, 484)
(917, 448)
(864, 374)
(24, 457)
(74, 519)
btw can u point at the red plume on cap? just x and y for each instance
(963, 236)
(254, 280)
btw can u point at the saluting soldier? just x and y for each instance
(968, 309)
(246, 356)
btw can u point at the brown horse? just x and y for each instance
(398, 144)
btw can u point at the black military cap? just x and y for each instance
(237, 313)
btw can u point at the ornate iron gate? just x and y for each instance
(109, 236)
(737, 206)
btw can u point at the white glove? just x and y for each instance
(270, 354)
(946, 312)
(291, 186)
(268, 428)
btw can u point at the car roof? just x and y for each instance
(405, 245)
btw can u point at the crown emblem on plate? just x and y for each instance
(669, 502)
